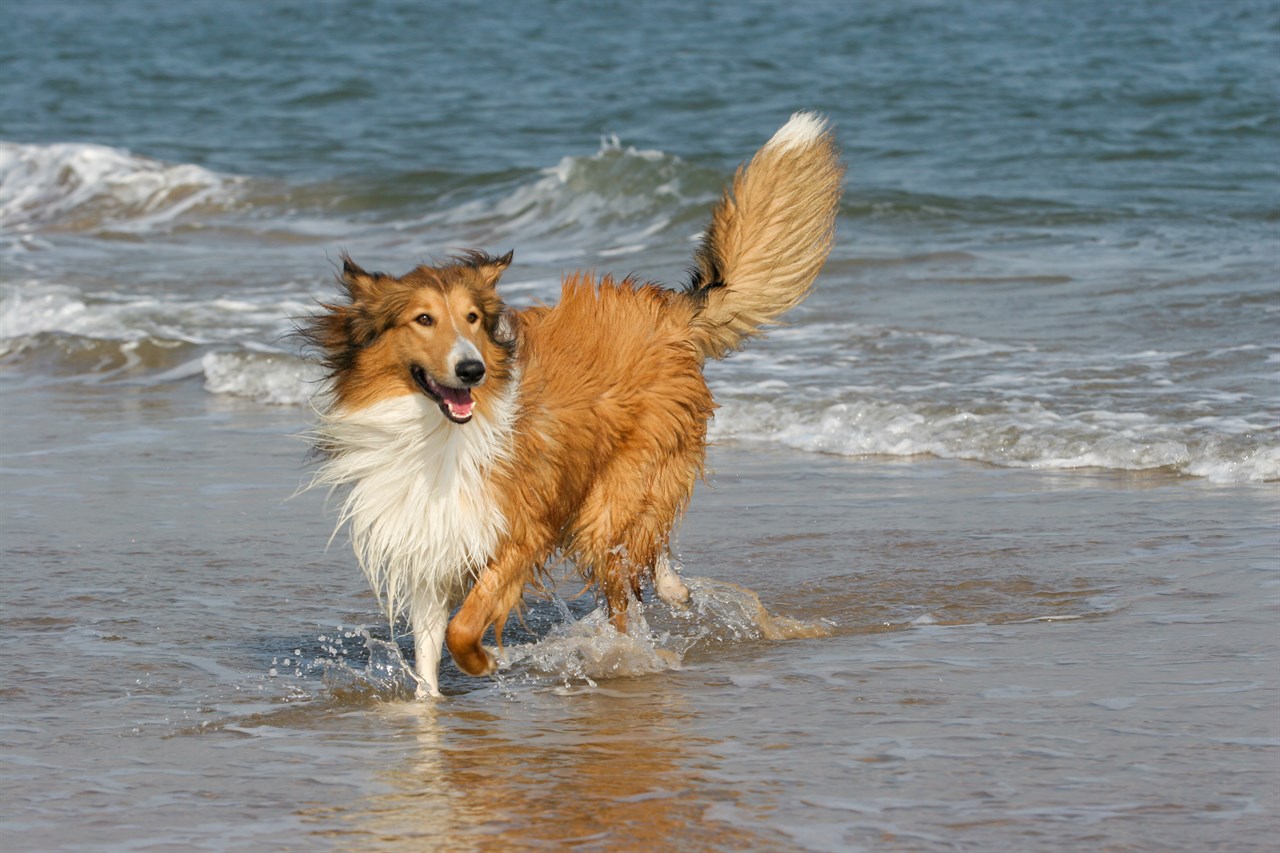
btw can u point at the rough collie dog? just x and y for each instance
(479, 442)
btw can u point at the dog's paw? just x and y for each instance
(483, 662)
(676, 595)
(670, 588)
(474, 660)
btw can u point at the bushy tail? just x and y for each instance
(769, 236)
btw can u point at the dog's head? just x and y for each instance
(438, 331)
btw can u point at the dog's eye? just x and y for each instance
(423, 320)
(473, 317)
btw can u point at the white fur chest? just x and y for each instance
(422, 516)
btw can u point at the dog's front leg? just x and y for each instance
(429, 617)
(497, 591)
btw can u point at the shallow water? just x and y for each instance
(1005, 659)
(988, 557)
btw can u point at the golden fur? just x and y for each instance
(596, 409)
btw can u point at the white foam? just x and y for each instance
(276, 379)
(34, 307)
(50, 309)
(1026, 435)
(85, 187)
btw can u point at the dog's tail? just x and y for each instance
(768, 238)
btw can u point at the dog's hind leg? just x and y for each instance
(667, 583)
(625, 527)
(650, 532)
(619, 576)
(606, 556)
(429, 616)
(621, 561)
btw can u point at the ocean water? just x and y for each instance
(989, 554)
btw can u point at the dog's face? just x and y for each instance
(437, 331)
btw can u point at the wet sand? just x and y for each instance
(1014, 660)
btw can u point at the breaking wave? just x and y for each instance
(1012, 435)
(94, 188)
(235, 344)
(273, 378)
(610, 203)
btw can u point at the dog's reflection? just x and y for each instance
(607, 769)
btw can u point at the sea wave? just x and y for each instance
(1028, 435)
(612, 202)
(1029, 416)
(620, 196)
(1017, 436)
(271, 378)
(36, 308)
(82, 187)
(239, 345)
(867, 389)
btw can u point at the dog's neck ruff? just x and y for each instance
(421, 513)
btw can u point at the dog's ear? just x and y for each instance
(358, 283)
(507, 327)
(491, 268)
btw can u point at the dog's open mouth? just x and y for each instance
(456, 403)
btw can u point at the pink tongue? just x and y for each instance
(457, 399)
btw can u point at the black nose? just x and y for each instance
(470, 371)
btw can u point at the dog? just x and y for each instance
(478, 442)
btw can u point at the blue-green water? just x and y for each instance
(1061, 225)
(1040, 377)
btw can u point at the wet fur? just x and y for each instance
(586, 433)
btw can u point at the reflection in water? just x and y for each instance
(586, 740)
(564, 760)
(963, 690)
(615, 769)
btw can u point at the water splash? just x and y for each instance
(725, 605)
(359, 668)
(375, 670)
(590, 649)
(658, 638)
